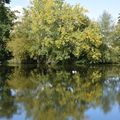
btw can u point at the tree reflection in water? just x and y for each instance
(58, 94)
(8, 106)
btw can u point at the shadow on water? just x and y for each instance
(63, 93)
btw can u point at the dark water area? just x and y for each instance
(63, 93)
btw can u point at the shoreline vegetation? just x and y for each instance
(57, 33)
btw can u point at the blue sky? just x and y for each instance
(95, 7)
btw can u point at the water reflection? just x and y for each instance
(59, 94)
(7, 104)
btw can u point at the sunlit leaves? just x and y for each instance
(53, 31)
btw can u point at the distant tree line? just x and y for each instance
(54, 32)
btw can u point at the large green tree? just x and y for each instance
(6, 23)
(54, 32)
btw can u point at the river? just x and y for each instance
(61, 93)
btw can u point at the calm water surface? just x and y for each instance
(70, 93)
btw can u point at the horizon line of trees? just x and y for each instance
(54, 32)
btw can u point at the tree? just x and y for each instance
(4, 1)
(6, 23)
(116, 43)
(119, 18)
(107, 28)
(7, 1)
(55, 32)
(20, 39)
